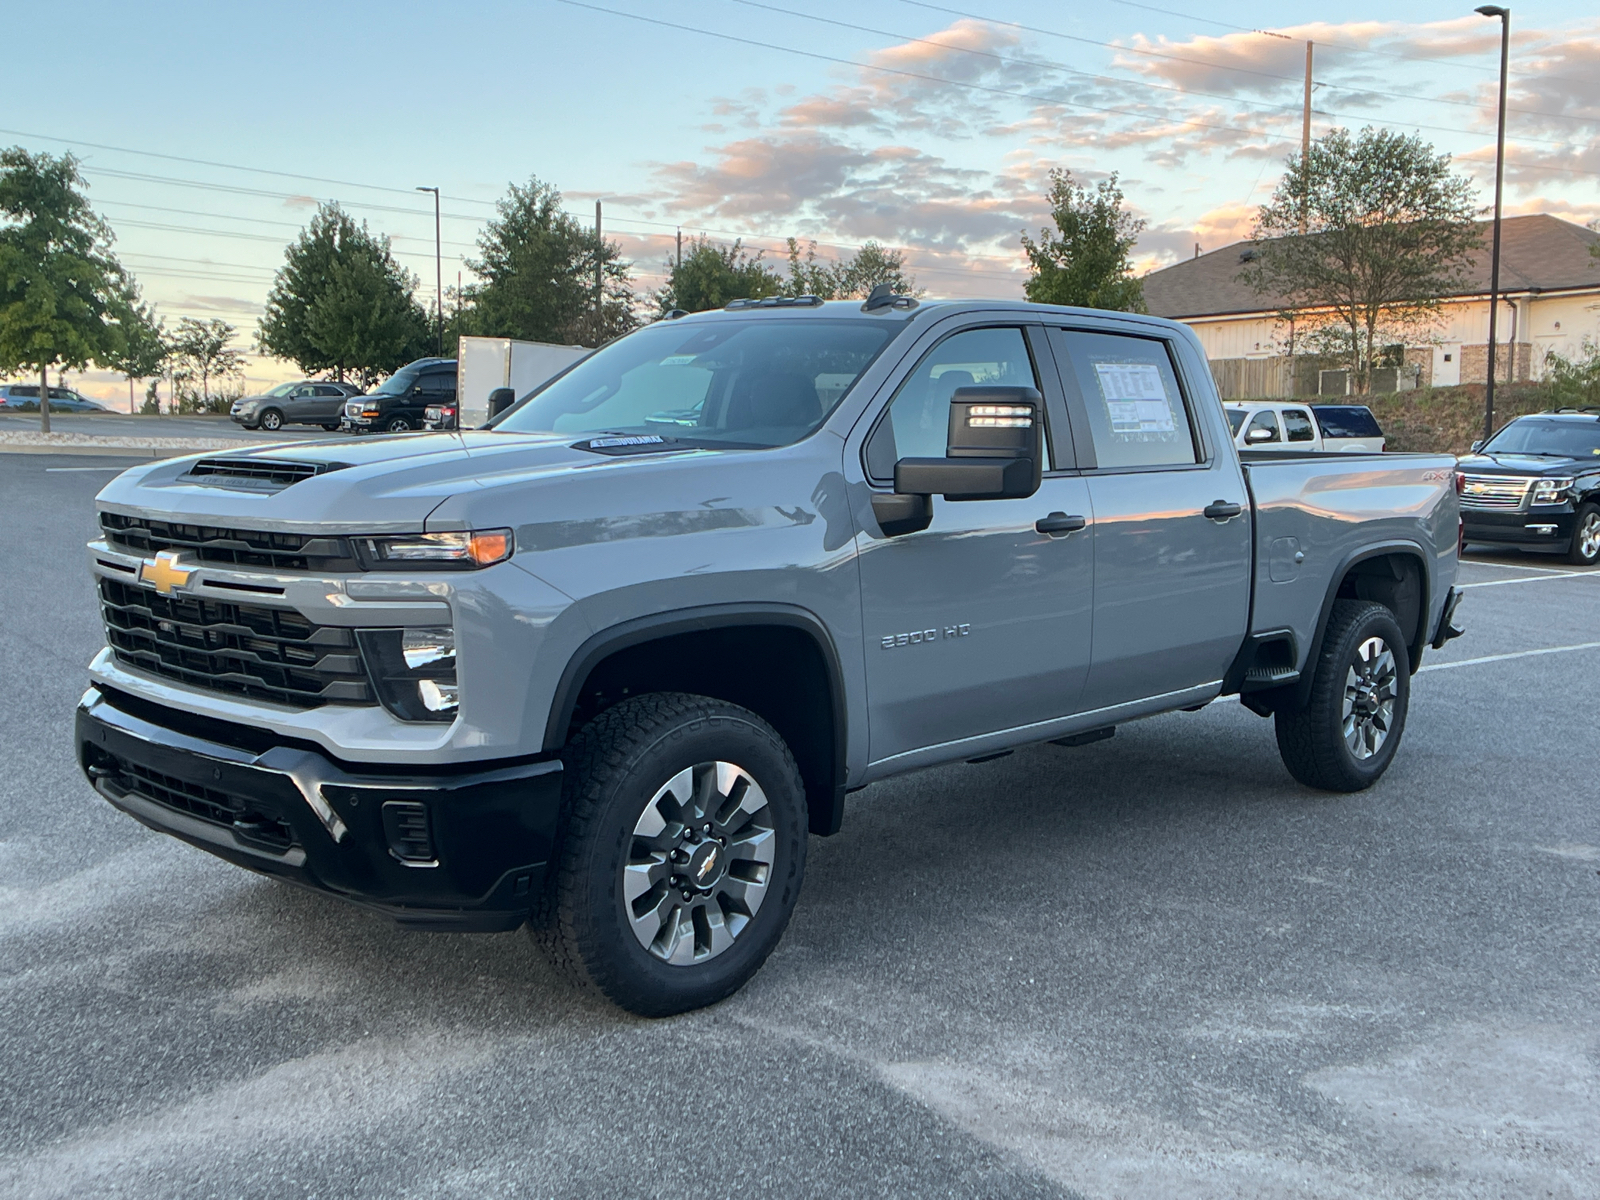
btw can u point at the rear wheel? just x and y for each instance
(682, 853)
(1586, 536)
(271, 421)
(1346, 736)
(333, 428)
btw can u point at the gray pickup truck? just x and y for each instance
(599, 667)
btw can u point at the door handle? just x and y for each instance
(1222, 510)
(1059, 522)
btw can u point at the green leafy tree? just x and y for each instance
(537, 272)
(1361, 240)
(341, 303)
(203, 354)
(140, 349)
(871, 265)
(1084, 260)
(368, 320)
(61, 289)
(1574, 382)
(708, 275)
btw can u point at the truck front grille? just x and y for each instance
(1494, 491)
(240, 649)
(235, 547)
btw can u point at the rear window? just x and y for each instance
(1347, 421)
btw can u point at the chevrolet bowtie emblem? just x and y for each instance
(164, 573)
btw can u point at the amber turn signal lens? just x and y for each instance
(491, 547)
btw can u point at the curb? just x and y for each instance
(109, 451)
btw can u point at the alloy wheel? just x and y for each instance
(1589, 536)
(1369, 698)
(699, 864)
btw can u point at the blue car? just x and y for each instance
(24, 397)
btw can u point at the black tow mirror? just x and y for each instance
(499, 400)
(994, 450)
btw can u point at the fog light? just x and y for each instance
(438, 696)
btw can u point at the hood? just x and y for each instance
(349, 486)
(1519, 464)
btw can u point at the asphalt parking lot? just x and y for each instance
(116, 425)
(1149, 967)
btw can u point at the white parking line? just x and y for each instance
(1490, 658)
(49, 470)
(1534, 579)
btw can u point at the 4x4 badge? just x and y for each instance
(164, 573)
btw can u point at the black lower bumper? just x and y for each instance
(1534, 529)
(431, 848)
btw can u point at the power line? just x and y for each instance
(1126, 82)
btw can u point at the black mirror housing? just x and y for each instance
(499, 400)
(993, 450)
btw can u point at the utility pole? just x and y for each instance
(1490, 10)
(679, 261)
(438, 275)
(599, 276)
(1305, 139)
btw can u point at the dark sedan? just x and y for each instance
(1536, 485)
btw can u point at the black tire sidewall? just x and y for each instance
(612, 956)
(1377, 621)
(1575, 555)
(267, 419)
(397, 425)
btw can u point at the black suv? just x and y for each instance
(1536, 485)
(399, 402)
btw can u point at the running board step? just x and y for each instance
(1084, 739)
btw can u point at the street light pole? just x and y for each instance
(438, 273)
(1492, 10)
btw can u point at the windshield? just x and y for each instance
(1564, 439)
(397, 384)
(283, 389)
(760, 382)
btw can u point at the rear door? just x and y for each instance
(1171, 519)
(324, 404)
(979, 623)
(1299, 430)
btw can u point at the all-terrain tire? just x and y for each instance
(617, 766)
(1585, 550)
(1315, 742)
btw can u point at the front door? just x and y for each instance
(1171, 523)
(979, 623)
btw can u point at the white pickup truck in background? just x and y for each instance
(1303, 428)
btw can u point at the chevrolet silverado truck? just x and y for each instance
(599, 667)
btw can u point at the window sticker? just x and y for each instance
(1135, 397)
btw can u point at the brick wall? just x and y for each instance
(1475, 362)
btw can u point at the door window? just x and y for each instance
(918, 421)
(1297, 425)
(1130, 392)
(1263, 429)
(327, 389)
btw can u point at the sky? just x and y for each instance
(208, 133)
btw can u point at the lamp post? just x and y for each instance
(438, 274)
(1492, 10)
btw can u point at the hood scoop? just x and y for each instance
(255, 474)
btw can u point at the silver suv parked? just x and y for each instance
(306, 402)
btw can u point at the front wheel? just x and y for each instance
(682, 853)
(1345, 737)
(398, 425)
(1586, 536)
(271, 421)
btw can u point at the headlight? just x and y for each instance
(414, 670)
(1551, 491)
(435, 551)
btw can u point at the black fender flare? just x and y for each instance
(827, 812)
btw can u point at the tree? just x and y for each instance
(61, 289)
(200, 350)
(1360, 241)
(1084, 260)
(537, 268)
(341, 303)
(871, 265)
(368, 320)
(141, 349)
(709, 275)
(1574, 382)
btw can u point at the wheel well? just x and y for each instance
(1396, 581)
(778, 672)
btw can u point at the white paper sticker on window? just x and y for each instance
(1135, 397)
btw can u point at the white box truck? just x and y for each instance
(485, 363)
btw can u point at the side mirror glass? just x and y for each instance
(499, 400)
(1477, 445)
